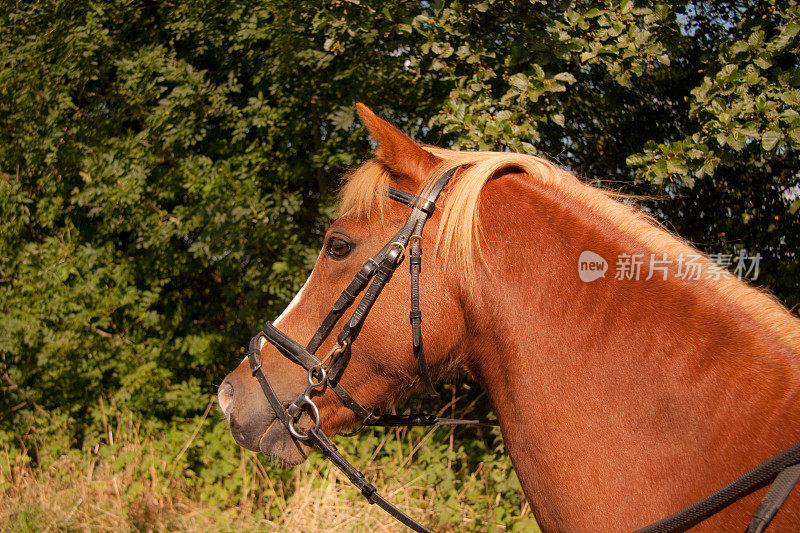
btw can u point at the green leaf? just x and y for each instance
(443, 50)
(763, 62)
(565, 77)
(737, 140)
(659, 171)
(788, 33)
(676, 166)
(635, 160)
(519, 81)
(770, 139)
(343, 118)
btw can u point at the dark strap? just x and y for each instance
(403, 197)
(328, 449)
(776, 495)
(254, 358)
(415, 315)
(343, 303)
(759, 477)
(417, 420)
(425, 420)
(384, 273)
(287, 345)
(415, 267)
(426, 206)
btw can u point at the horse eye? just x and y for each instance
(338, 248)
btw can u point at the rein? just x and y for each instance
(781, 470)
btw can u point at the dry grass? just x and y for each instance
(127, 482)
(75, 496)
(87, 496)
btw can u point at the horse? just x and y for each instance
(621, 399)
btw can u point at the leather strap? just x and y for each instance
(343, 303)
(415, 314)
(254, 358)
(759, 477)
(415, 268)
(776, 495)
(386, 268)
(329, 450)
(401, 196)
(285, 345)
(415, 420)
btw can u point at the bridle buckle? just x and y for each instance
(402, 253)
(336, 351)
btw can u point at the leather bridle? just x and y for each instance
(375, 273)
(781, 470)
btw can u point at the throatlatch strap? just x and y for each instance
(415, 267)
(416, 420)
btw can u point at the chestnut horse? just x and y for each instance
(621, 399)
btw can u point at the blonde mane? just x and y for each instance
(459, 235)
(365, 188)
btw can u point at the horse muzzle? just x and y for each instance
(252, 421)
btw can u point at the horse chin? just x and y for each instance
(278, 444)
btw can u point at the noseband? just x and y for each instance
(326, 372)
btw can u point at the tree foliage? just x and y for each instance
(166, 169)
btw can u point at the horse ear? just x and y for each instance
(396, 149)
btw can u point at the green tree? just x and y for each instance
(731, 172)
(166, 169)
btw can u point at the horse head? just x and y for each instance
(382, 368)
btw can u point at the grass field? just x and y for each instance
(191, 476)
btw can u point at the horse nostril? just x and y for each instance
(225, 397)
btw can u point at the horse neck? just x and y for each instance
(613, 394)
